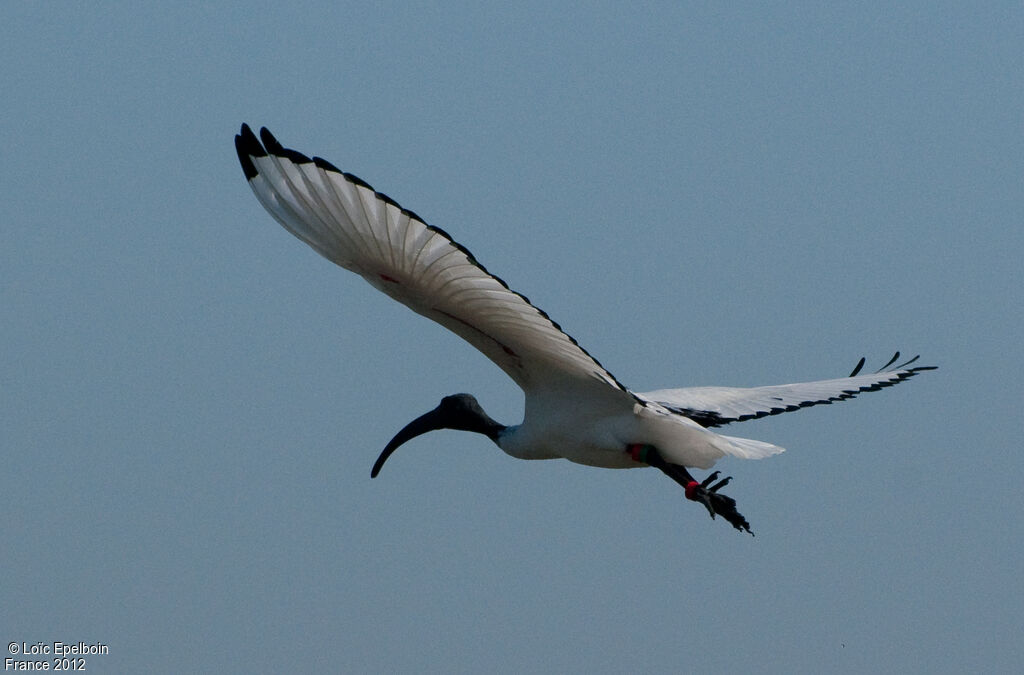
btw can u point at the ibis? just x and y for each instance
(575, 409)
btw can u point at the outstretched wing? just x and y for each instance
(717, 406)
(346, 221)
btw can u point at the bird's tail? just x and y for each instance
(750, 449)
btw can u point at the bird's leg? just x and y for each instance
(703, 492)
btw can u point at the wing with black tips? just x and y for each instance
(717, 406)
(346, 221)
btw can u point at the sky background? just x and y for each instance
(699, 193)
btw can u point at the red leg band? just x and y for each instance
(691, 490)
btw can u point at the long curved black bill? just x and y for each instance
(430, 421)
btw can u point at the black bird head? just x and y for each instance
(458, 411)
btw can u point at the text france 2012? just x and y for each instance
(57, 655)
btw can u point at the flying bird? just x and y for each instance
(575, 408)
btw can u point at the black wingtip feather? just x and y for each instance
(297, 156)
(275, 148)
(248, 146)
(894, 359)
(856, 369)
(322, 163)
(356, 180)
(908, 362)
(250, 142)
(270, 143)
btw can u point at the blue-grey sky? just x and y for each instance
(700, 193)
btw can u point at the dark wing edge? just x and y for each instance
(718, 406)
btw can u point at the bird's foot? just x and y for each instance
(716, 503)
(707, 494)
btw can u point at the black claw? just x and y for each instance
(715, 502)
(720, 484)
(707, 481)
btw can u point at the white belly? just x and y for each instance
(603, 441)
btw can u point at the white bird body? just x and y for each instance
(574, 408)
(555, 426)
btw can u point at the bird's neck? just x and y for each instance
(491, 429)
